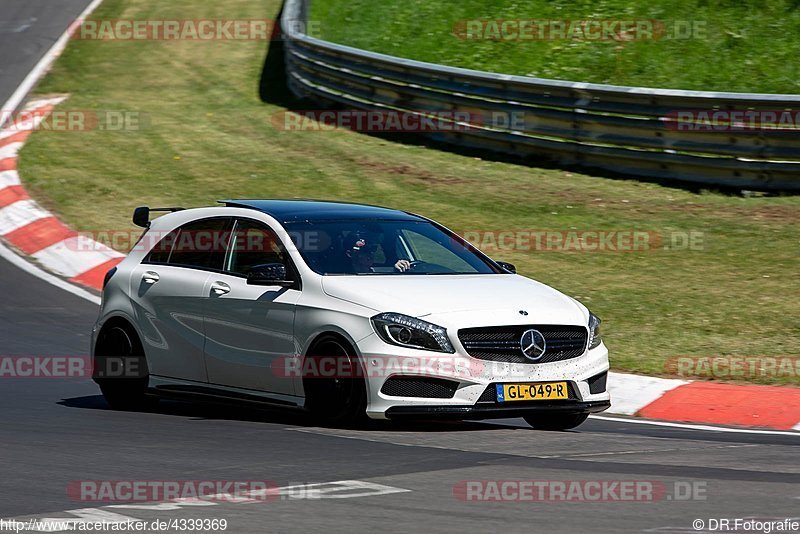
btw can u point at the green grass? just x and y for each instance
(744, 46)
(210, 137)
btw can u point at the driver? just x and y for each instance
(361, 253)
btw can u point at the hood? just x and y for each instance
(441, 295)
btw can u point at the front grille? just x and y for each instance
(489, 395)
(502, 343)
(412, 386)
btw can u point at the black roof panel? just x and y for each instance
(316, 210)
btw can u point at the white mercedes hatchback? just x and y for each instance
(344, 311)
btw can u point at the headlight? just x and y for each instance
(594, 331)
(405, 331)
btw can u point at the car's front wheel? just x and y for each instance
(335, 390)
(120, 369)
(556, 421)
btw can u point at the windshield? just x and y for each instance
(385, 247)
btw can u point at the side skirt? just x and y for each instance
(178, 389)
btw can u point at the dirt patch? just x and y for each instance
(409, 171)
(768, 214)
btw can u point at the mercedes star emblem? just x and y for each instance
(532, 344)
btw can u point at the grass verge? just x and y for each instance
(716, 45)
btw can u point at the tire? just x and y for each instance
(337, 400)
(556, 421)
(120, 369)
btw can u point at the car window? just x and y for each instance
(160, 253)
(373, 246)
(253, 243)
(202, 244)
(429, 251)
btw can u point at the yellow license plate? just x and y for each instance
(532, 392)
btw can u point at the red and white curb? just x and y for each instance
(38, 234)
(33, 230)
(667, 399)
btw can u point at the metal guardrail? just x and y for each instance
(627, 130)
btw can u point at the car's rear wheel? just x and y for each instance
(556, 421)
(336, 392)
(120, 369)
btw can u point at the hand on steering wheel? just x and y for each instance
(403, 265)
(407, 265)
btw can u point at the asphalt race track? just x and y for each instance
(411, 477)
(28, 28)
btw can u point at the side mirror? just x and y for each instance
(507, 266)
(268, 274)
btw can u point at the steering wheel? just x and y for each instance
(414, 264)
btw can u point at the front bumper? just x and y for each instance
(494, 411)
(472, 378)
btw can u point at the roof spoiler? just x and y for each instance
(235, 203)
(141, 215)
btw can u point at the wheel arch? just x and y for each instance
(120, 321)
(341, 335)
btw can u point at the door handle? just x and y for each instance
(150, 277)
(220, 288)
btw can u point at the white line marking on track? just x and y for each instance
(177, 504)
(41, 67)
(32, 269)
(685, 426)
(647, 451)
(341, 489)
(603, 418)
(83, 516)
